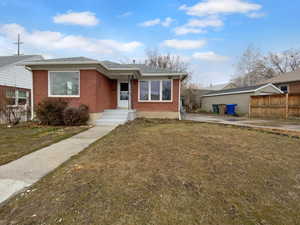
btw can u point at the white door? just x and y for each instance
(123, 94)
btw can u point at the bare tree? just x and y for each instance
(174, 63)
(254, 68)
(284, 62)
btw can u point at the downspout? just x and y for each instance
(179, 98)
(31, 94)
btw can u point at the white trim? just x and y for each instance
(149, 91)
(32, 99)
(242, 92)
(118, 95)
(164, 74)
(179, 99)
(63, 96)
(271, 85)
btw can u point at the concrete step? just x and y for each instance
(114, 116)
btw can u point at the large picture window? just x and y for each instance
(64, 84)
(155, 90)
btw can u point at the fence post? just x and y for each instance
(286, 106)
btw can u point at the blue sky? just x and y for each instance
(209, 34)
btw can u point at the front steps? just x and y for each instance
(115, 117)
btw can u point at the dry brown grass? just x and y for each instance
(170, 172)
(25, 138)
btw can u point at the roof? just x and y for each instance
(241, 90)
(109, 65)
(8, 60)
(285, 78)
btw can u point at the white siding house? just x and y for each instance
(15, 85)
(13, 73)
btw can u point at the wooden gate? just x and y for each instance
(282, 106)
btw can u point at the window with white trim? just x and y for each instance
(155, 90)
(17, 97)
(64, 84)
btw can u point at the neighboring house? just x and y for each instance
(105, 85)
(287, 82)
(219, 87)
(191, 98)
(239, 96)
(15, 80)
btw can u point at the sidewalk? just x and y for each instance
(27, 170)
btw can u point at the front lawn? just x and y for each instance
(170, 172)
(25, 138)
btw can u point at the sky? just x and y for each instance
(210, 35)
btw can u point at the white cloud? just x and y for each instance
(77, 18)
(50, 40)
(187, 30)
(207, 22)
(209, 56)
(215, 7)
(256, 15)
(196, 26)
(184, 44)
(125, 14)
(166, 22)
(150, 23)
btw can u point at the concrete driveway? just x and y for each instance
(293, 126)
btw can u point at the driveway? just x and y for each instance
(293, 126)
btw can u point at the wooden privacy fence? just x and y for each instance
(283, 106)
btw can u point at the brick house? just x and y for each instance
(106, 86)
(287, 82)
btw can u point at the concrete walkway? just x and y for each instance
(241, 122)
(27, 170)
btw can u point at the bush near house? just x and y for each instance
(76, 116)
(56, 112)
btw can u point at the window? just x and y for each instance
(11, 96)
(64, 84)
(166, 92)
(284, 88)
(22, 97)
(17, 97)
(144, 90)
(155, 90)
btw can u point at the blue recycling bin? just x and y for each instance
(231, 109)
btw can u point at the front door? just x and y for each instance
(123, 94)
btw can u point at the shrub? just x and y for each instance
(76, 116)
(84, 114)
(50, 112)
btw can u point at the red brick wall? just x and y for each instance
(106, 93)
(156, 106)
(294, 88)
(96, 90)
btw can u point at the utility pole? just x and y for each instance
(18, 43)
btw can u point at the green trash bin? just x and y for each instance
(216, 108)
